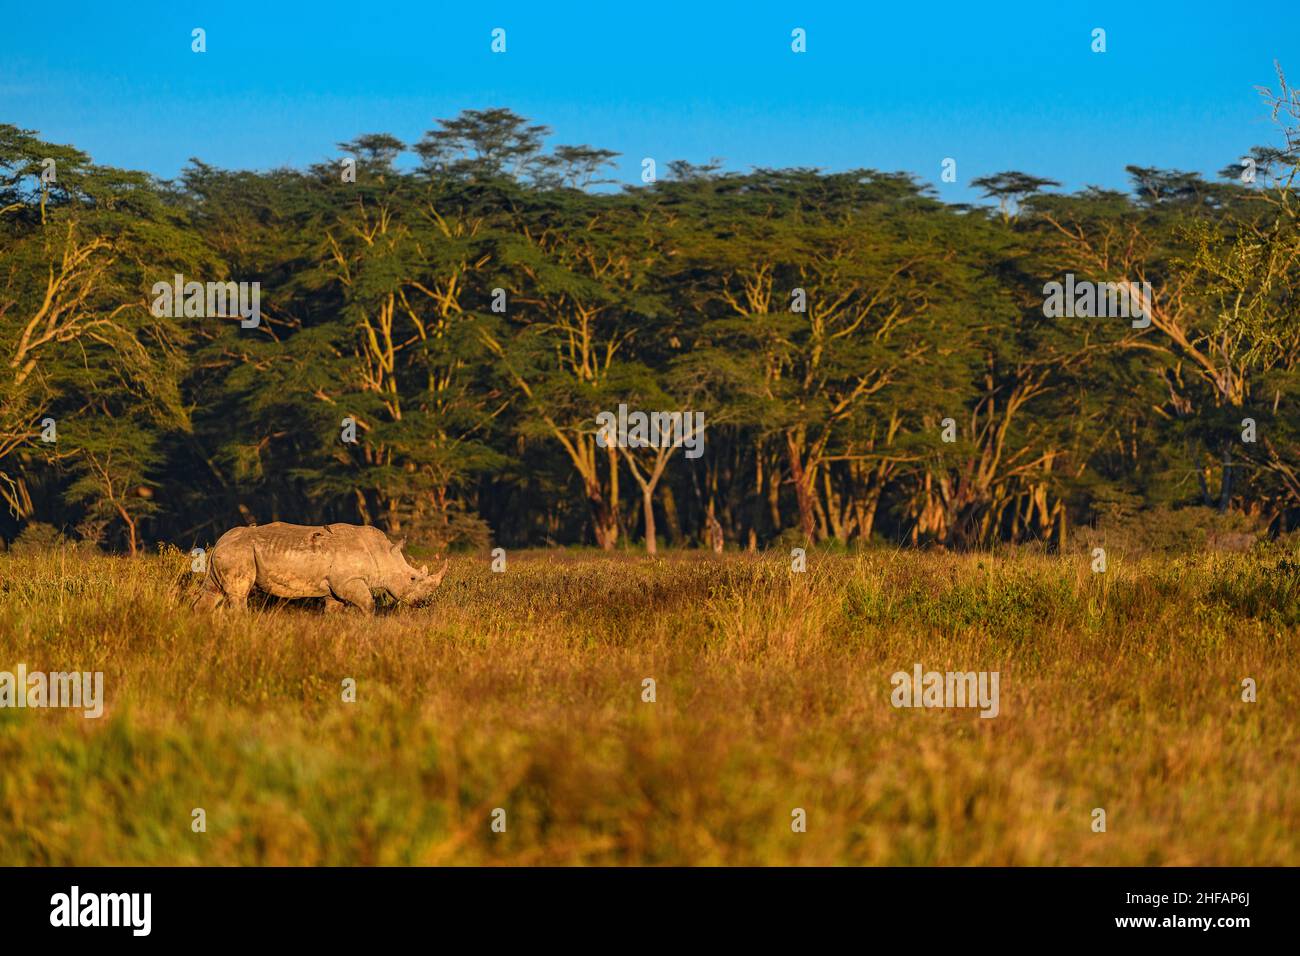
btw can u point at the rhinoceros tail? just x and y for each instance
(213, 590)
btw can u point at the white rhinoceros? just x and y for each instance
(343, 563)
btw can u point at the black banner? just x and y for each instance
(337, 905)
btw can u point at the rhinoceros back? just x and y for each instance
(290, 560)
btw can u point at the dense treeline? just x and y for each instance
(870, 361)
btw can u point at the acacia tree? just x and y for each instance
(1211, 283)
(115, 464)
(375, 322)
(1246, 271)
(1011, 189)
(408, 255)
(677, 411)
(80, 254)
(581, 278)
(831, 310)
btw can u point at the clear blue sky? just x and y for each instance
(886, 85)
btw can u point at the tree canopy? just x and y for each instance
(436, 339)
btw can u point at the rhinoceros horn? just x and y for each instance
(442, 573)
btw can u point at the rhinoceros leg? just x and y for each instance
(237, 595)
(227, 582)
(237, 584)
(332, 606)
(355, 592)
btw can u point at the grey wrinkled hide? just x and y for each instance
(343, 563)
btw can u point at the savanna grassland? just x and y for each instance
(523, 691)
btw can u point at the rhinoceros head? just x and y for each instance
(408, 584)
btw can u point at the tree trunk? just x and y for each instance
(603, 522)
(867, 516)
(774, 494)
(670, 515)
(756, 503)
(604, 525)
(648, 504)
(803, 494)
(130, 528)
(616, 519)
(1225, 489)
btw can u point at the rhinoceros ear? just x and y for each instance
(397, 548)
(424, 570)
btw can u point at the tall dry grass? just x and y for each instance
(523, 691)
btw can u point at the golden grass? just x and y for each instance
(523, 691)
